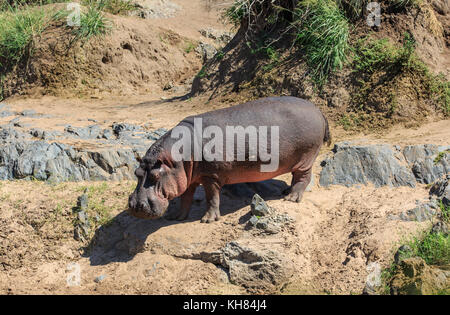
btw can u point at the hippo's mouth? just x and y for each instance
(150, 207)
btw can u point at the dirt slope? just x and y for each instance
(138, 56)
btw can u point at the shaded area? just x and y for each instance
(125, 236)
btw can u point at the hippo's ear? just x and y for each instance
(139, 159)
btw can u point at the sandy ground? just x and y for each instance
(337, 230)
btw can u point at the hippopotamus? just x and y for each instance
(174, 167)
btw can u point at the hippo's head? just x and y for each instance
(160, 179)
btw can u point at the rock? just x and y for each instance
(259, 207)
(383, 164)
(29, 113)
(423, 212)
(100, 278)
(415, 277)
(125, 130)
(253, 220)
(255, 268)
(25, 158)
(379, 164)
(441, 189)
(83, 201)
(440, 227)
(155, 9)
(221, 38)
(82, 225)
(6, 113)
(107, 134)
(207, 51)
(425, 164)
(15, 122)
(90, 132)
(265, 218)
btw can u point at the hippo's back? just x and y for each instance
(296, 118)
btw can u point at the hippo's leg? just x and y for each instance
(300, 180)
(212, 192)
(186, 202)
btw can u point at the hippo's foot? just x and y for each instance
(294, 196)
(210, 216)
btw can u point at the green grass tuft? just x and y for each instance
(92, 23)
(445, 212)
(405, 4)
(323, 34)
(17, 31)
(434, 248)
(117, 7)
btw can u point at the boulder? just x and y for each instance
(384, 164)
(259, 207)
(428, 162)
(24, 157)
(441, 189)
(379, 164)
(255, 268)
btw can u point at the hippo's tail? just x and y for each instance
(327, 136)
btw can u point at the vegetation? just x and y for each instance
(405, 4)
(116, 7)
(11, 4)
(433, 248)
(98, 212)
(18, 28)
(373, 57)
(323, 33)
(92, 23)
(21, 24)
(440, 156)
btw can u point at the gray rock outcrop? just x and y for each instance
(384, 165)
(33, 155)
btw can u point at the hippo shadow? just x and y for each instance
(125, 235)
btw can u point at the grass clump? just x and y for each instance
(375, 58)
(445, 212)
(380, 55)
(236, 13)
(98, 211)
(405, 4)
(353, 9)
(92, 23)
(18, 28)
(434, 248)
(117, 7)
(12, 4)
(323, 34)
(318, 27)
(440, 156)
